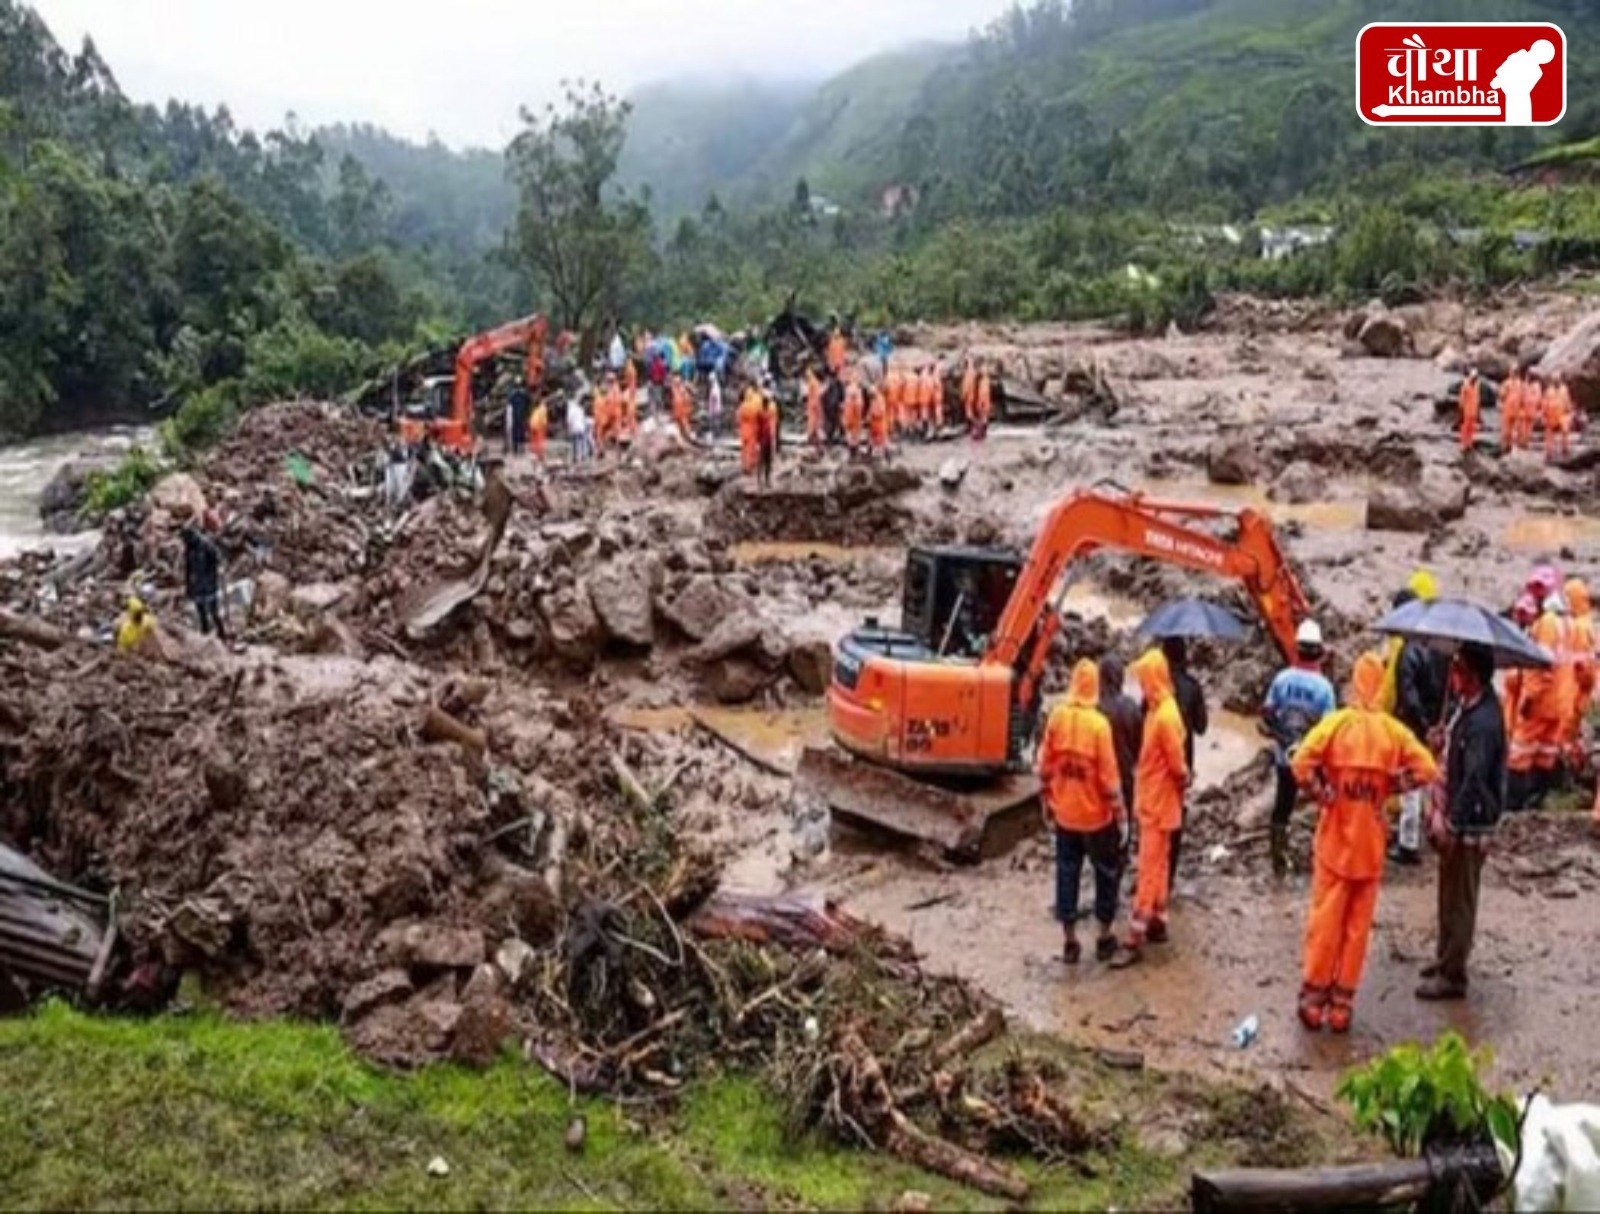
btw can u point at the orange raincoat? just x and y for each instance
(836, 352)
(749, 417)
(894, 394)
(969, 393)
(1540, 699)
(813, 408)
(1355, 756)
(985, 402)
(1557, 421)
(1159, 781)
(878, 421)
(1078, 760)
(682, 407)
(607, 416)
(1470, 404)
(539, 430)
(936, 396)
(852, 414)
(1511, 412)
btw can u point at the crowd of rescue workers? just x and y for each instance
(1441, 744)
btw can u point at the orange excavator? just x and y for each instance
(935, 722)
(452, 428)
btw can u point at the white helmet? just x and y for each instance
(1309, 635)
(1556, 604)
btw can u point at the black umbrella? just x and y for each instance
(1448, 624)
(1191, 618)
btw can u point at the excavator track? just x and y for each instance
(965, 824)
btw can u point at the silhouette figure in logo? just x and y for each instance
(1518, 76)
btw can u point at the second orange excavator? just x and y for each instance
(451, 426)
(934, 723)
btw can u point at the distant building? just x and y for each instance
(1279, 243)
(825, 207)
(897, 199)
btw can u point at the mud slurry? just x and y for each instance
(296, 826)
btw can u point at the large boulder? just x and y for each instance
(178, 494)
(1232, 461)
(1385, 335)
(64, 495)
(572, 625)
(1576, 355)
(702, 604)
(1439, 497)
(1299, 483)
(734, 634)
(621, 593)
(737, 680)
(810, 664)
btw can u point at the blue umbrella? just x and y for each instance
(1448, 624)
(1192, 618)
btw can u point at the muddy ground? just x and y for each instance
(290, 822)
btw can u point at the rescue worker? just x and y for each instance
(628, 404)
(1532, 410)
(936, 394)
(517, 410)
(1469, 403)
(1580, 645)
(202, 573)
(969, 393)
(606, 410)
(771, 422)
(539, 430)
(1351, 760)
(813, 408)
(985, 404)
(134, 625)
(1082, 788)
(1159, 784)
(895, 393)
(1564, 419)
(1299, 697)
(1192, 707)
(749, 421)
(1127, 721)
(630, 383)
(878, 422)
(836, 351)
(1511, 393)
(1555, 421)
(1541, 699)
(682, 406)
(852, 414)
(579, 430)
(1474, 799)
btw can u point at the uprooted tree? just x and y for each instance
(578, 234)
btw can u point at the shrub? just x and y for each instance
(126, 483)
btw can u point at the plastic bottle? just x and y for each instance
(1249, 1029)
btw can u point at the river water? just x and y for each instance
(25, 469)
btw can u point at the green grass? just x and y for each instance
(199, 1111)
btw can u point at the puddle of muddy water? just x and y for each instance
(767, 553)
(1332, 516)
(777, 737)
(1551, 533)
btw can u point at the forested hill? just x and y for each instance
(1184, 105)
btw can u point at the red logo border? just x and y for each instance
(1566, 80)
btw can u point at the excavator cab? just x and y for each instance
(954, 597)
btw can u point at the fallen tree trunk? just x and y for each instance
(439, 726)
(1401, 1182)
(791, 920)
(33, 632)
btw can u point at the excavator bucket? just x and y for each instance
(967, 825)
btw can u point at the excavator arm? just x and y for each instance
(529, 331)
(1093, 520)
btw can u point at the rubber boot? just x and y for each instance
(1313, 1008)
(1280, 850)
(1341, 1009)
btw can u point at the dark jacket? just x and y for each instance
(1421, 677)
(201, 564)
(1475, 775)
(1127, 723)
(1192, 708)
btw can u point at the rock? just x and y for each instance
(1299, 483)
(573, 626)
(1440, 497)
(1451, 361)
(577, 1135)
(710, 477)
(485, 1021)
(736, 680)
(440, 1015)
(308, 602)
(438, 1167)
(1490, 363)
(952, 472)
(1576, 355)
(1385, 335)
(1232, 461)
(913, 1201)
(620, 591)
(700, 606)
(734, 634)
(433, 946)
(179, 494)
(272, 594)
(64, 495)
(390, 986)
(515, 959)
(810, 664)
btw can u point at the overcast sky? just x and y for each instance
(461, 67)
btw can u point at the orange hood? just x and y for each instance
(1085, 689)
(1154, 675)
(1366, 684)
(1577, 596)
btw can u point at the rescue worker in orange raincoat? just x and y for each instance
(1158, 788)
(836, 351)
(1082, 787)
(751, 408)
(1511, 394)
(539, 430)
(1580, 654)
(813, 408)
(936, 394)
(607, 412)
(925, 393)
(628, 403)
(682, 406)
(1557, 420)
(896, 389)
(1352, 760)
(1539, 703)
(630, 381)
(853, 413)
(969, 394)
(1532, 410)
(1470, 405)
(985, 404)
(878, 422)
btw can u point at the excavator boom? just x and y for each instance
(901, 702)
(455, 429)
